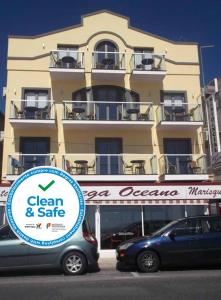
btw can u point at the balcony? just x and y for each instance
(106, 167)
(34, 114)
(183, 167)
(65, 64)
(108, 115)
(19, 163)
(108, 65)
(182, 116)
(147, 67)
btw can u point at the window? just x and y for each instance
(211, 225)
(7, 234)
(188, 227)
(143, 58)
(174, 106)
(176, 162)
(106, 56)
(106, 46)
(34, 152)
(36, 99)
(118, 224)
(157, 216)
(106, 162)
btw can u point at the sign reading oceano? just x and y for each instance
(157, 192)
(144, 192)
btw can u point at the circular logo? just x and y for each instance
(45, 207)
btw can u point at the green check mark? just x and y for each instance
(45, 188)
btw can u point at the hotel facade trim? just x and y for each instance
(111, 105)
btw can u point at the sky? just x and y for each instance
(179, 20)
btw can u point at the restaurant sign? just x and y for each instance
(144, 192)
(152, 192)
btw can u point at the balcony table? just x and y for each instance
(30, 112)
(68, 62)
(81, 167)
(108, 62)
(77, 111)
(133, 112)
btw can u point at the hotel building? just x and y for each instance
(119, 109)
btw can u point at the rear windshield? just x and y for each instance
(86, 227)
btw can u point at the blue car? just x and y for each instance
(188, 241)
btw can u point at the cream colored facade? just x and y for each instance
(28, 67)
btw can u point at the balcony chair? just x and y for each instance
(190, 115)
(144, 116)
(70, 114)
(43, 113)
(17, 167)
(19, 113)
(69, 167)
(194, 167)
(170, 167)
(92, 168)
(126, 167)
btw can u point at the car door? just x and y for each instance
(13, 252)
(210, 242)
(38, 256)
(180, 244)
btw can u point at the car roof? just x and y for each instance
(201, 216)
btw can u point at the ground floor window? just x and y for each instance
(156, 216)
(113, 224)
(119, 223)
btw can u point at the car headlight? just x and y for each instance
(125, 246)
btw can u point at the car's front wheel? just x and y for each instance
(74, 263)
(148, 261)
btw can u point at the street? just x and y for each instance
(109, 283)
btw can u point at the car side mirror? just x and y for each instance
(172, 234)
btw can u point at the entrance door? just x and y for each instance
(176, 160)
(35, 146)
(106, 162)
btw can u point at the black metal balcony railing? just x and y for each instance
(32, 109)
(19, 163)
(108, 111)
(183, 164)
(110, 164)
(108, 60)
(65, 59)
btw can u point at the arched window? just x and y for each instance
(106, 46)
(104, 102)
(106, 56)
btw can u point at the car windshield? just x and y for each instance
(163, 229)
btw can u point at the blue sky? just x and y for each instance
(179, 20)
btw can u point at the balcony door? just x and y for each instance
(106, 55)
(178, 155)
(110, 110)
(35, 100)
(31, 147)
(108, 158)
(175, 108)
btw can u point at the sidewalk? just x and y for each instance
(107, 261)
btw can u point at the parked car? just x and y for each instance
(133, 230)
(188, 241)
(74, 257)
